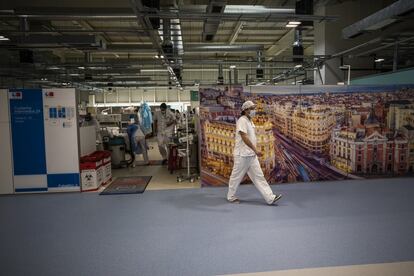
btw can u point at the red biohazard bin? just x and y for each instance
(105, 156)
(91, 172)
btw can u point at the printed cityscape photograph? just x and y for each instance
(323, 133)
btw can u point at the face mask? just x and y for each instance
(252, 113)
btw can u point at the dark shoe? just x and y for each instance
(277, 197)
(236, 200)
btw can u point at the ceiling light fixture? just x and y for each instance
(294, 23)
(156, 56)
(291, 26)
(232, 66)
(161, 56)
(379, 60)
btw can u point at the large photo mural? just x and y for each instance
(311, 133)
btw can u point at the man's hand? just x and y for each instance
(258, 153)
(247, 141)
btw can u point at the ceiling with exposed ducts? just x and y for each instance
(143, 43)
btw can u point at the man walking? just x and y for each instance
(164, 122)
(246, 158)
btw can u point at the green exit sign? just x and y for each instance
(194, 96)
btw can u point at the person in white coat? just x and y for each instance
(164, 122)
(246, 158)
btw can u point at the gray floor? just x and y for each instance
(196, 232)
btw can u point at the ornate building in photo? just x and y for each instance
(408, 132)
(309, 127)
(282, 118)
(369, 149)
(219, 143)
(400, 113)
(265, 141)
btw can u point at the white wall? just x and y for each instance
(6, 173)
(134, 96)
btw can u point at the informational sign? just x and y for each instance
(28, 140)
(44, 140)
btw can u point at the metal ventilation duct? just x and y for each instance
(379, 19)
(224, 48)
(211, 25)
(45, 41)
(297, 49)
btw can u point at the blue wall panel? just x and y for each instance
(63, 180)
(27, 125)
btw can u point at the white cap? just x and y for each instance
(247, 104)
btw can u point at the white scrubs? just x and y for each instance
(141, 139)
(164, 133)
(246, 161)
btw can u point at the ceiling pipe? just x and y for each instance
(166, 31)
(378, 20)
(387, 45)
(85, 14)
(225, 48)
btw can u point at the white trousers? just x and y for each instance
(143, 144)
(251, 166)
(163, 140)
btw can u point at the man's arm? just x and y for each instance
(247, 141)
(172, 120)
(155, 122)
